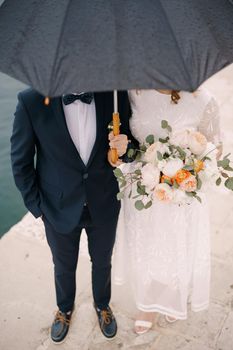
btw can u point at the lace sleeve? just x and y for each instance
(210, 123)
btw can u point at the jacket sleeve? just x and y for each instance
(22, 158)
(125, 115)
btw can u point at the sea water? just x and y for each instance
(11, 204)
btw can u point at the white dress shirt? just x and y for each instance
(81, 123)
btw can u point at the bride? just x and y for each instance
(165, 250)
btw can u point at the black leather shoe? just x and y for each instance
(60, 326)
(107, 322)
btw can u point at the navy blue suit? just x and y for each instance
(55, 183)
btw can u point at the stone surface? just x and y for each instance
(174, 342)
(27, 298)
(203, 326)
(225, 341)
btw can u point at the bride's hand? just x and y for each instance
(119, 142)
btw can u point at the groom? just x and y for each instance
(59, 162)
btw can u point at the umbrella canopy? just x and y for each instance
(66, 46)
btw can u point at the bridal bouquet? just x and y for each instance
(173, 169)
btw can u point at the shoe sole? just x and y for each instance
(60, 342)
(108, 338)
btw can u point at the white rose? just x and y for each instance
(210, 173)
(180, 138)
(150, 155)
(161, 164)
(172, 166)
(163, 192)
(150, 176)
(197, 142)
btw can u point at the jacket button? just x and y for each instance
(85, 176)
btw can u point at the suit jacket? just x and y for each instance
(48, 169)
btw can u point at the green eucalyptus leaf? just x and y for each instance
(171, 148)
(206, 158)
(191, 194)
(131, 153)
(139, 205)
(164, 140)
(123, 183)
(223, 163)
(164, 124)
(118, 173)
(225, 175)
(143, 148)
(138, 172)
(159, 155)
(166, 155)
(181, 152)
(150, 139)
(218, 181)
(198, 198)
(148, 205)
(141, 190)
(120, 195)
(229, 183)
(199, 183)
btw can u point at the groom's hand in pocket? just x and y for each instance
(119, 142)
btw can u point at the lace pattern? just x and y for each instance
(165, 250)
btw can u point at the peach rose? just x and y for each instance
(189, 184)
(182, 175)
(197, 142)
(163, 192)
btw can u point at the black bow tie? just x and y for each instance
(86, 97)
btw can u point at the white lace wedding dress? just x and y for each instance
(165, 250)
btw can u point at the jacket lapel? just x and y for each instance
(100, 109)
(57, 107)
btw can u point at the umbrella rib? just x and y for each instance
(176, 42)
(59, 43)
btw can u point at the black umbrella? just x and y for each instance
(66, 46)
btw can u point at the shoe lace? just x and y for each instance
(62, 318)
(106, 316)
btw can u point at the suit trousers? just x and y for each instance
(65, 251)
